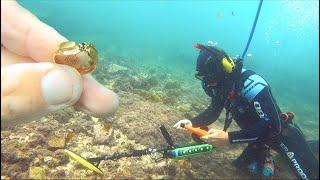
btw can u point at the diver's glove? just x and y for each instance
(197, 138)
(183, 121)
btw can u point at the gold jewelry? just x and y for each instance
(82, 56)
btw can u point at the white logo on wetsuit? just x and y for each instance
(295, 162)
(290, 155)
(257, 106)
(300, 171)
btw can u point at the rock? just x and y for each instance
(60, 157)
(12, 156)
(124, 172)
(77, 129)
(148, 170)
(62, 116)
(147, 177)
(188, 174)
(155, 96)
(125, 84)
(53, 163)
(105, 126)
(170, 100)
(173, 93)
(37, 139)
(36, 173)
(45, 130)
(101, 140)
(8, 157)
(5, 177)
(70, 134)
(24, 164)
(151, 82)
(50, 161)
(44, 152)
(114, 68)
(172, 85)
(14, 170)
(185, 107)
(36, 162)
(87, 117)
(190, 114)
(171, 170)
(58, 174)
(5, 134)
(57, 142)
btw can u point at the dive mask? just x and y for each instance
(209, 79)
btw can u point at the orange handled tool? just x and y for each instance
(197, 131)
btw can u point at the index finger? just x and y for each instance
(204, 137)
(24, 34)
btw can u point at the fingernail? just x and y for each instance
(61, 86)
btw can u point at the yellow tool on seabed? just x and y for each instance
(83, 162)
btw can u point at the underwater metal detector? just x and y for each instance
(169, 151)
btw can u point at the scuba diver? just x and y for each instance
(247, 99)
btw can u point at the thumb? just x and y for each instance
(211, 131)
(33, 89)
(204, 137)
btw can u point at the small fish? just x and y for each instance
(232, 13)
(249, 55)
(219, 14)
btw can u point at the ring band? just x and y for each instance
(83, 56)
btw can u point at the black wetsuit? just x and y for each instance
(258, 115)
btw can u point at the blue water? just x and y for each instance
(284, 47)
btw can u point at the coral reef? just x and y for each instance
(149, 98)
(172, 85)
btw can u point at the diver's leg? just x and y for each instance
(293, 146)
(242, 161)
(251, 159)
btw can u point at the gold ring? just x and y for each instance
(83, 56)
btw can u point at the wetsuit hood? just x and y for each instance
(210, 68)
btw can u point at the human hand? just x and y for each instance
(217, 138)
(31, 84)
(183, 121)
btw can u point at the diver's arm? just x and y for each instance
(208, 116)
(269, 120)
